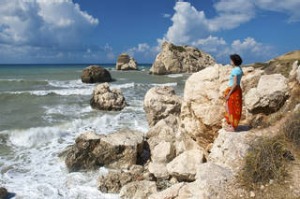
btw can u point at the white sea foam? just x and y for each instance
(121, 86)
(66, 109)
(36, 171)
(63, 92)
(175, 75)
(68, 84)
(11, 80)
(166, 84)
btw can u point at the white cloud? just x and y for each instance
(290, 7)
(166, 15)
(145, 51)
(249, 48)
(190, 24)
(52, 24)
(210, 44)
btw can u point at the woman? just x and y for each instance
(233, 94)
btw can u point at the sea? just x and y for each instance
(44, 107)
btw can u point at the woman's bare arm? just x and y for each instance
(233, 87)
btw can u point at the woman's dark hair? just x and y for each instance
(236, 59)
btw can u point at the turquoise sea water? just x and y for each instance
(43, 108)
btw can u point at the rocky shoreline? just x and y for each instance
(186, 153)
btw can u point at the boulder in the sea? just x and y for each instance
(125, 62)
(104, 98)
(94, 74)
(138, 189)
(180, 59)
(160, 102)
(118, 150)
(3, 193)
(269, 96)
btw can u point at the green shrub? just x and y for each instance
(264, 162)
(291, 129)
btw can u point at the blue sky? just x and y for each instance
(97, 31)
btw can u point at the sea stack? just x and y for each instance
(125, 62)
(180, 59)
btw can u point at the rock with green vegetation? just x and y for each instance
(281, 64)
(95, 74)
(180, 59)
(125, 62)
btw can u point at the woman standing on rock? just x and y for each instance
(233, 94)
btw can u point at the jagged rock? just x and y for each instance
(269, 96)
(184, 166)
(94, 74)
(180, 59)
(125, 62)
(203, 104)
(159, 170)
(210, 183)
(161, 139)
(185, 143)
(3, 193)
(295, 72)
(250, 78)
(104, 98)
(171, 192)
(138, 190)
(116, 179)
(229, 149)
(160, 102)
(118, 150)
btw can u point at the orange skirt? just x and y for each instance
(233, 106)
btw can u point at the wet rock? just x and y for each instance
(118, 150)
(107, 99)
(94, 74)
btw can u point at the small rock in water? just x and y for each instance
(252, 194)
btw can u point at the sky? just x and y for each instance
(98, 31)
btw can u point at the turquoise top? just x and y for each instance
(236, 71)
